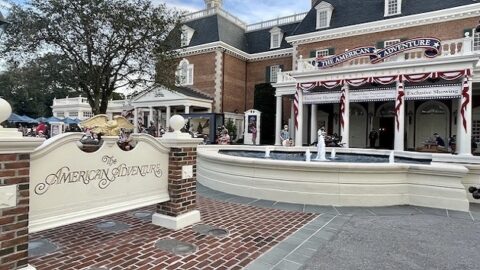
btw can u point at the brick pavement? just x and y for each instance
(253, 231)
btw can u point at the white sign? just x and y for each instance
(252, 127)
(321, 98)
(69, 185)
(444, 91)
(372, 95)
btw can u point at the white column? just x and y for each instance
(313, 123)
(167, 121)
(150, 115)
(291, 125)
(399, 118)
(464, 120)
(278, 121)
(299, 129)
(187, 109)
(345, 116)
(135, 119)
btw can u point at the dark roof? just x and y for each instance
(351, 12)
(346, 12)
(259, 41)
(217, 28)
(206, 30)
(191, 92)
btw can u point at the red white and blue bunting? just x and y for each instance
(385, 80)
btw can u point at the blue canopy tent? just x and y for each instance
(71, 121)
(15, 118)
(53, 119)
(29, 120)
(42, 119)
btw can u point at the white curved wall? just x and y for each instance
(339, 184)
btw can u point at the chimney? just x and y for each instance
(213, 3)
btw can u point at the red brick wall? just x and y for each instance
(256, 72)
(183, 192)
(204, 72)
(443, 31)
(234, 84)
(14, 170)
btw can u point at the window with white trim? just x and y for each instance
(476, 41)
(323, 53)
(393, 7)
(276, 36)
(391, 42)
(87, 114)
(60, 114)
(324, 14)
(184, 73)
(186, 35)
(73, 114)
(274, 73)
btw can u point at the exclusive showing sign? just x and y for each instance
(431, 45)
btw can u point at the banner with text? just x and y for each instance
(431, 45)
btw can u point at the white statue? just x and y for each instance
(321, 145)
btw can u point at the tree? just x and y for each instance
(30, 88)
(104, 45)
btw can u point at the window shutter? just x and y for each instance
(380, 45)
(313, 54)
(331, 51)
(267, 74)
(468, 30)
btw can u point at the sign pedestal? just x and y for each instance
(14, 194)
(180, 211)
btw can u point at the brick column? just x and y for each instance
(182, 191)
(180, 211)
(14, 202)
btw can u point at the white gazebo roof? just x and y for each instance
(180, 96)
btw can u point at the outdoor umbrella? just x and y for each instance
(53, 119)
(71, 121)
(42, 119)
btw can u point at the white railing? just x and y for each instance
(456, 47)
(283, 77)
(67, 100)
(275, 22)
(213, 11)
(251, 27)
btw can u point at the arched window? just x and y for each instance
(185, 73)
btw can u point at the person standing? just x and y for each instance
(253, 130)
(373, 136)
(285, 136)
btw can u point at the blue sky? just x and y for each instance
(250, 11)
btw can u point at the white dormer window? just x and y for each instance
(393, 7)
(276, 37)
(324, 14)
(184, 73)
(186, 36)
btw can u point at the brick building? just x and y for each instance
(226, 59)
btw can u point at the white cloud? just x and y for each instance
(189, 6)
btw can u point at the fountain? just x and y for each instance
(391, 157)
(308, 155)
(267, 153)
(321, 146)
(333, 154)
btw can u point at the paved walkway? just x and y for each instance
(274, 235)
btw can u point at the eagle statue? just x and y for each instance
(102, 124)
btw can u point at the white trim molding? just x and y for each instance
(276, 37)
(218, 80)
(451, 14)
(212, 47)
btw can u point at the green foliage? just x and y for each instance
(232, 129)
(103, 45)
(31, 88)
